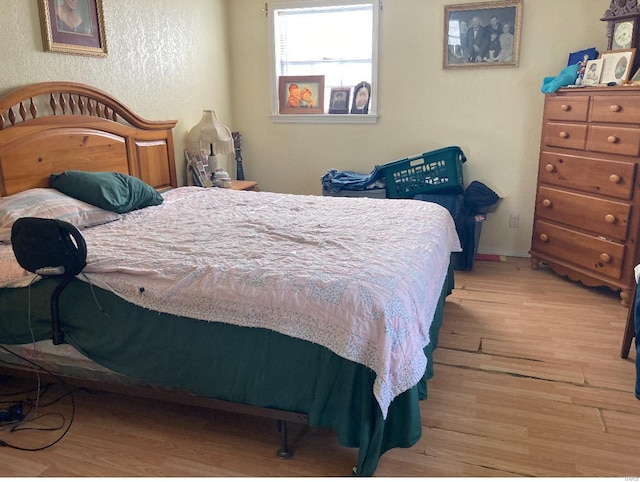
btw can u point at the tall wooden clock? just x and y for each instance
(623, 27)
(623, 19)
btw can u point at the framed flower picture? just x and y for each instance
(301, 94)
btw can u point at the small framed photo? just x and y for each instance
(484, 34)
(616, 65)
(592, 72)
(339, 100)
(361, 98)
(73, 27)
(301, 94)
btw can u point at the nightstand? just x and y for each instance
(244, 185)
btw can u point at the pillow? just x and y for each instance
(112, 191)
(50, 204)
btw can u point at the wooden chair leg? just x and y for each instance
(629, 330)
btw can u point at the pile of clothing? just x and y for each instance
(335, 181)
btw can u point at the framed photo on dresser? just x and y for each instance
(592, 72)
(616, 65)
(73, 27)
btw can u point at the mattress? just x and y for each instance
(361, 277)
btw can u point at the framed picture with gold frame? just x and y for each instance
(73, 27)
(485, 34)
(616, 65)
(301, 94)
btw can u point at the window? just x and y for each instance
(334, 38)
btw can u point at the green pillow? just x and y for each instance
(112, 191)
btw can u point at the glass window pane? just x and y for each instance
(334, 40)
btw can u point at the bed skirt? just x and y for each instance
(252, 366)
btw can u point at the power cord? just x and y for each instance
(33, 337)
(15, 416)
(95, 298)
(18, 426)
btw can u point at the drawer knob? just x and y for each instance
(565, 107)
(550, 168)
(612, 139)
(546, 203)
(605, 258)
(615, 108)
(544, 238)
(610, 218)
(614, 178)
(563, 134)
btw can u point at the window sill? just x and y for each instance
(324, 118)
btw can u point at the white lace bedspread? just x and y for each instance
(358, 276)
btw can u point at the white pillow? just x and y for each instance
(50, 204)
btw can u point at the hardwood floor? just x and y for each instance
(528, 382)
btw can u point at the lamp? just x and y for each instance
(211, 135)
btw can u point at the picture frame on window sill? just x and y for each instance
(73, 29)
(616, 65)
(339, 100)
(301, 94)
(361, 98)
(479, 35)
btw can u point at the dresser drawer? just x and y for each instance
(591, 252)
(569, 136)
(614, 140)
(597, 176)
(600, 216)
(565, 108)
(615, 108)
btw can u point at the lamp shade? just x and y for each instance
(210, 132)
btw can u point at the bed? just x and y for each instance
(321, 310)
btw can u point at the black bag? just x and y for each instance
(478, 196)
(48, 247)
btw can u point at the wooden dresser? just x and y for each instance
(587, 213)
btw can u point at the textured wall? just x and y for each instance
(170, 59)
(167, 59)
(494, 115)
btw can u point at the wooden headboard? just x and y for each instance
(50, 127)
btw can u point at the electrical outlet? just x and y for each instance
(514, 220)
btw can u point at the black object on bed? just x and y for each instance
(53, 249)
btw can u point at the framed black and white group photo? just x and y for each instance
(485, 34)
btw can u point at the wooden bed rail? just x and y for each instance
(69, 98)
(179, 397)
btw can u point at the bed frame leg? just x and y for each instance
(283, 452)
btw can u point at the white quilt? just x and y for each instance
(359, 276)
